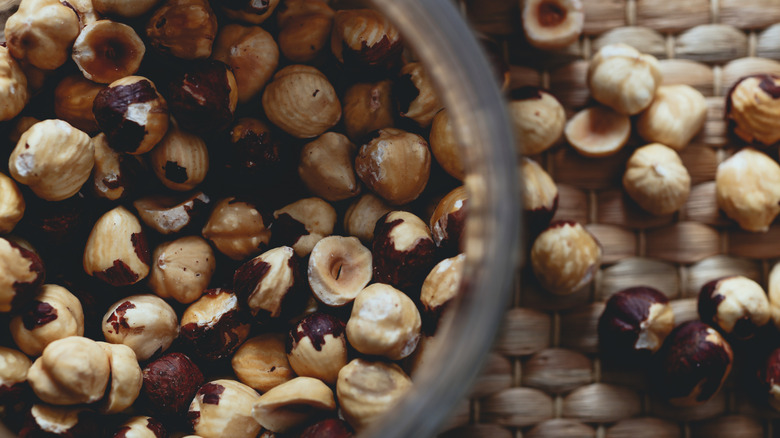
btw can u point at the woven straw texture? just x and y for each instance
(545, 378)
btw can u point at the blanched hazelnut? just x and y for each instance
(449, 219)
(395, 164)
(106, 51)
(252, 54)
(538, 119)
(73, 100)
(366, 390)
(13, 374)
(737, 305)
(624, 79)
(224, 408)
(565, 258)
(445, 146)
(552, 24)
(126, 378)
(13, 86)
(42, 32)
(748, 189)
(145, 323)
(261, 362)
(360, 218)
(302, 224)
(214, 326)
(292, 403)
(403, 250)
(365, 39)
(180, 160)
(54, 313)
(249, 11)
(182, 269)
(327, 167)
(54, 421)
(183, 28)
(317, 347)
(116, 251)
(540, 196)
(339, 268)
(441, 286)
(656, 179)
(367, 108)
(304, 30)
(115, 174)
(598, 131)
(170, 382)
(12, 204)
(141, 427)
(416, 97)
(237, 229)
(635, 322)
(203, 98)
(53, 158)
(171, 214)
(123, 8)
(751, 106)
(270, 285)
(328, 428)
(677, 114)
(21, 274)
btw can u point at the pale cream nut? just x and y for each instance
(261, 362)
(54, 313)
(171, 214)
(339, 268)
(539, 190)
(42, 32)
(116, 251)
(180, 160)
(366, 390)
(223, 408)
(236, 229)
(538, 119)
(12, 204)
(251, 52)
(13, 86)
(265, 283)
(317, 217)
(145, 323)
(21, 274)
(442, 285)
(752, 105)
(361, 216)
(108, 177)
(292, 403)
(552, 24)
(598, 131)
(182, 269)
(748, 189)
(624, 79)
(445, 146)
(565, 258)
(304, 30)
(126, 378)
(424, 106)
(738, 305)
(13, 367)
(366, 38)
(327, 167)
(317, 347)
(657, 179)
(141, 427)
(57, 420)
(676, 115)
(106, 51)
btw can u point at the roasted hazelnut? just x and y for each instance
(72, 370)
(54, 313)
(538, 119)
(449, 219)
(540, 196)
(329, 428)
(304, 30)
(254, 155)
(106, 51)
(441, 286)
(748, 189)
(552, 24)
(678, 113)
(126, 378)
(42, 32)
(598, 131)
(182, 269)
(445, 146)
(21, 274)
(183, 28)
(365, 39)
(145, 323)
(170, 383)
(270, 285)
(203, 98)
(115, 174)
(737, 305)
(692, 365)
(565, 257)
(237, 229)
(132, 114)
(292, 403)
(339, 268)
(394, 164)
(13, 374)
(302, 224)
(261, 362)
(366, 390)
(73, 101)
(171, 214)
(57, 421)
(624, 79)
(223, 408)
(657, 179)
(249, 11)
(116, 251)
(180, 160)
(141, 427)
(252, 54)
(53, 158)
(13, 86)
(751, 106)
(769, 377)
(403, 250)
(367, 107)
(124, 9)
(635, 323)
(317, 347)
(12, 204)
(417, 100)
(360, 218)
(327, 167)
(214, 326)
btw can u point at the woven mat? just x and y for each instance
(544, 378)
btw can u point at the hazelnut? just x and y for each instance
(183, 28)
(182, 269)
(317, 347)
(301, 101)
(751, 106)
(73, 101)
(106, 51)
(53, 158)
(748, 189)
(773, 289)
(635, 323)
(403, 250)
(624, 79)
(54, 313)
(214, 326)
(72, 370)
(270, 285)
(252, 54)
(13, 374)
(440, 288)
(565, 257)
(445, 147)
(394, 164)
(13, 87)
(12, 204)
(145, 323)
(180, 160)
(366, 390)
(339, 268)
(116, 251)
(85, 10)
(657, 179)
(360, 218)
(304, 30)
(292, 403)
(22, 124)
(115, 174)
(598, 131)
(692, 364)
(126, 378)
(538, 119)
(384, 322)
(124, 9)
(678, 113)
(417, 100)
(449, 219)
(769, 376)
(540, 196)
(171, 214)
(141, 427)
(21, 274)
(203, 98)
(365, 39)
(552, 24)
(302, 224)
(236, 229)
(367, 107)
(737, 305)
(223, 408)
(249, 11)
(327, 167)
(54, 421)
(329, 428)
(254, 155)
(42, 32)
(261, 362)
(170, 383)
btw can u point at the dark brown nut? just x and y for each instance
(367, 108)
(171, 214)
(302, 224)
(141, 427)
(330, 428)
(360, 218)
(552, 24)
(42, 32)
(124, 9)
(304, 30)
(115, 174)
(692, 365)
(183, 28)
(677, 114)
(214, 326)
(270, 285)
(339, 268)
(748, 189)
(182, 269)
(327, 167)
(441, 286)
(53, 158)
(21, 274)
(624, 79)
(738, 306)
(657, 179)
(224, 408)
(254, 155)
(301, 101)
(72, 370)
(449, 220)
(145, 323)
(751, 104)
(237, 229)
(403, 250)
(54, 313)
(365, 39)
(14, 86)
(170, 382)
(261, 362)
(395, 164)
(445, 146)
(203, 98)
(57, 421)
(417, 100)
(598, 131)
(106, 51)
(116, 251)
(12, 204)
(635, 323)
(317, 347)
(565, 257)
(180, 160)
(13, 374)
(252, 54)
(293, 403)
(132, 114)
(366, 390)
(73, 101)
(540, 196)
(769, 377)
(538, 119)
(126, 378)
(249, 11)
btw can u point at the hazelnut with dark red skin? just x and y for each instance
(364, 39)
(183, 28)
(117, 251)
(45, 421)
(449, 219)
(302, 224)
(769, 378)
(403, 250)
(317, 347)
(330, 428)
(145, 323)
(115, 174)
(141, 427)
(214, 326)
(253, 155)
(170, 383)
(203, 98)
(21, 274)
(738, 306)
(54, 313)
(224, 408)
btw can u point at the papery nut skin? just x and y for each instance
(751, 104)
(261, 362)
(42, 32)
(448, 221)
(203, 97)
(13, 86)
(365, 40)
(292, 403)
(172, 214)
(183, 28)
(624, 79)
(552, 24)
(737, 305)
(317, 347)
(182, 269)
(21, 275)
(224, 408)
(634, 323)
(657, 179)
(361, 216)
(214, 326)
(302, 224)
(170, 382)
(403, 250)
(270, 286)
(106, 51)
(339, 268)
(117, 251)
(327, 167)
(565, 257)
(237, 229)
(180, 160)
(416, 97)
(12, 204)
(747, 188)
(539, 195)
(366, 390)
(538, 119)
(53, 314)
(445, 146)
(145, 323)
(677, 114)
(250, 11)
(251, 53)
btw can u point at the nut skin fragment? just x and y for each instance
(106, 51)
(445, 146)
(21, 275)
(417, 100)
(538, 119)
(214, 326)
(12, 204)
(13, 86)
(183, 28)
(304, 30)
(253, 55)
(54, 313)
(366, 390)
(203, 97)
(270, 285)
(302, 224)
(317, 347)
(116, 251)
(236, 229)
(124, 9)
(223, 408)
(171, 214)
(145, 323)
(170, 382)
(748, 189)
(182, 269)
(738, 306)
(292, 403)
(565, 257)
(657, 179)
(540, 196)
(327, 167)
(42, 32)
(249, 11)
(751, 106)
(360, 218)
(73, 100)
(339, 268)
(403, 250)
(261, 362)
(365, 40)
(598, 131)
(13, 374)
(141, 427)
(449, 219)
(126, 378)
(624, 79)
(676, 115)
(180, 160)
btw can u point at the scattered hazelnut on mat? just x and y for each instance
(13, 88)
(293, 403)
(60, 421)
(635, 323)
(317, 347)
(445, 146)
(261, 362)
(182, 269)
(237, 229)
(183, 28)
(327, 167)
(339, 268)
(769, 377)
(540, 196)
(538, 119)
(13, 374)
(737, 305)
(367, 107)
(170, 383)
(565, 257)
(180, 160)
(366, 390)
(115, 174)
(416, 97)
(21, 274)
(302, 224)
(145, 323)
(271, 285)
(124, 9)
(365, 39)
(403, 250)
(329, 428)
(304, 30)
(106, 51)
(41, 32)
(73, 101)
(361, 216)
(223, 408)
(126, 378)
(748, 189)
(657, 179)
(752, 105)
(12, 204)
(117, 251)
(214, 326)
(552, 24)
(676, 115)
(598, 131)
(203, 98)
(251, 53)
(449, 220)
(54, 313)
(249, 11)
(171, 214)
(141, 427)
(624, 79)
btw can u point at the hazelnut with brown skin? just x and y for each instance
(145, 323)
(748, 189)
(364, 39)
(54, 313)
(552, 24)
(565, 257)
(635, 323)
(304, 30)
(183, 28)
(170, 382)
(327, 167)
(73, 101)
(738, 306)
(302, 224)
(224, 408)
(368, 107)
(624, 79)
(254, 155)
(124, 9)
(171, 214)
(249, 11)
(106, 51)
(126, 378)
(13, 374)
(141, 427)
(598, 131)
(360, 218)
(261, 362)
(751, 105)
(270, 285)
(182, 269)
(656, 179)
(677, 114)
(115, 174)
(21, 274)
(366, 390)
(317, 347)
(416, 97)
(58, 421)
(538, 119)
(251, 53)
(445, 146)
(237, 229)
(215, 325)
(116, 251)
(292, 403)
(180, 160)
(12, 204)
(42, 32)
(449, 219)
(403, 250)
(203, 98)
(769, 377)
(330, 428)
(540, 196)
(13, 86)
(339, 268)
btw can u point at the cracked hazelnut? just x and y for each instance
(124, 9)
(329, 428)
(367, 107)
(445, 147)
(624, 79)
(203, 98)
(145, 323)
(54, 313)
(304, 30)
(13, 374)
(317, 347)
(13, 86)
(223, 408)
(403, 250)
(106, 51)
(751, 106)
(253, 55)
(115, 174)
(449, 219)
(339, 268)
(677, 114)
(361, 216)
(366, 390)
(417, 99)
(540, 196)
(214, 326)
(180, 160)
(598, 131)
(635, 322)
(237, 229)
(116, 251)
(249, 11)
(565, 257)
(57, 421)
(270, 285)
(21, 274)
(183, 28)
(302, 224)
(292, 403)
(73, 100)
(327, 167)
(737, 305)
(126, 378)
(261, 362)
(769, 377)
(441, 286)
(748, 189)
(538, 119)
(171, 214)
(42, 32)
(12, 204)
(182, 269)
(170, 383)
(365, 39)
(141, 427)
(552, 24)
(656, 179)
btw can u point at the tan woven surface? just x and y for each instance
(544, 378)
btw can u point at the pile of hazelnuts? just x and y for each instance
(218, 218)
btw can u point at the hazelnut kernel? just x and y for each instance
(171, 214)
(635, 321)
(327, 167)
(360, 218)
(445, 146)
(180, 160)
(304, 30)
(170, 382)
(748, 189)
(251, 53)
(656, 179)
(41, 32)
(73, 101)
(116, 251)
(270, 285)
(106, 51)
(13, 90)
(54, 313)
(214, 326)
(751, 105)
(126, 378)
(403, 250)
(115, 174)
(538, 119)
(249, 11)
(367, 108)
(12, 204)
(737, 305)
(339, 268)
(302, 224)
(182, 269)
(292, 403)
(552, 24)
(624, 79)
(203, 98)
(365, 39)
(224, 408)
(141, 427)
(449, 219)
(565, 257)
(13, 374)
(261, 362)
(236, 229)
(21, 274)
(317, 347)
(417, 100)
(440, 288)
(540, 196)
(366, 390)
(184, 28)
(677, 114)
(598, 131)
(145, 323)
